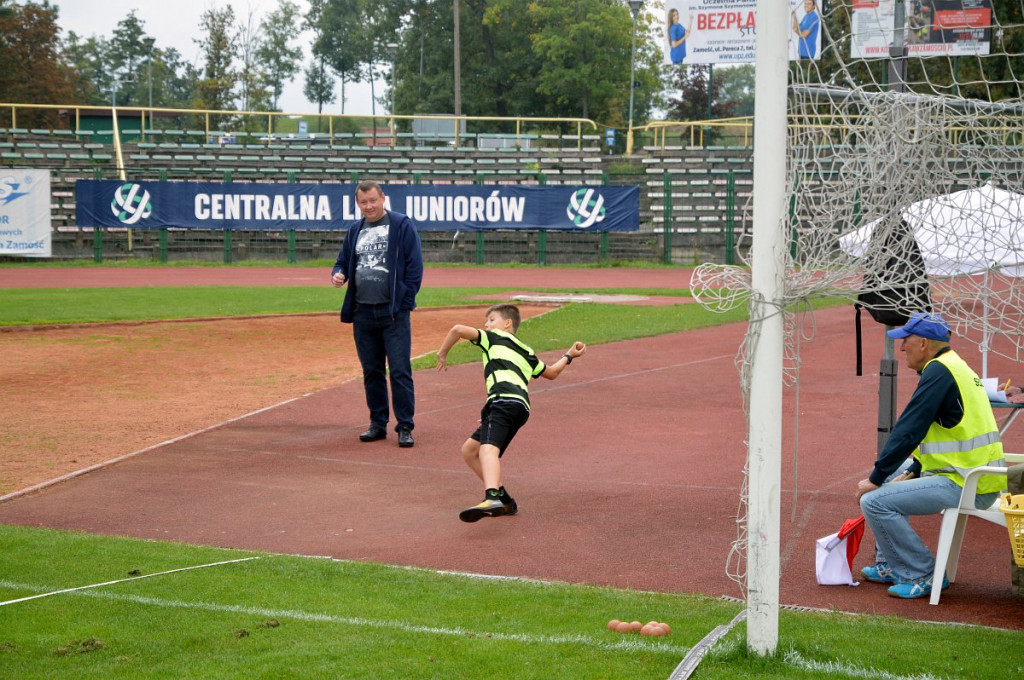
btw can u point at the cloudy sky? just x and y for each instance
(175, 23)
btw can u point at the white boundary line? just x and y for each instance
(792, 659)
(112, 461)
(122, 580)
(392, 624)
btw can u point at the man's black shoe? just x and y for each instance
(373, 434)
(405, 438)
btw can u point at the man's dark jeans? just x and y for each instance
(379, 337)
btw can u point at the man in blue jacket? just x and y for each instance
(381, 260)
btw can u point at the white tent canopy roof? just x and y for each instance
(966, 232)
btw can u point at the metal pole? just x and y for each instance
(393, 51)
(711, 88)
(148, 42)
(634, 8)
(888, 366)
(458, 63)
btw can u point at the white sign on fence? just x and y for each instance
(25, 212)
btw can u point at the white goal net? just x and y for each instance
(905, 174)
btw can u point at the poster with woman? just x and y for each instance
(677, 35)
(724, 31)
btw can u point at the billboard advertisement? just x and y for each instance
(931, 28)
(724, 31)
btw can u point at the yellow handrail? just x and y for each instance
(153, 112)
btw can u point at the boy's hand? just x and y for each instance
(442, 362)
(577, 349)
(338, 280)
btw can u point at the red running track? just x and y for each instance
(627, 474)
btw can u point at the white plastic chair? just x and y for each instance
(954, 523)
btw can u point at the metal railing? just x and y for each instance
(740, 131)
(269, 125)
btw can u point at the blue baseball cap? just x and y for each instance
(925, 325)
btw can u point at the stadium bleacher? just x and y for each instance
(688, 184)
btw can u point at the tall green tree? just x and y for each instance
(253, 87)
(88, 58)
(692, 103)
(424, 66)
(31, 68)
(343, 41)
(319, 85)
(216, 89)
(125, 57)
(501, 75)
(582, 46)
(551, 58)
(736, 89)
(278, 58)
(174, 79)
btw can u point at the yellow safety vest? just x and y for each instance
(973, 442)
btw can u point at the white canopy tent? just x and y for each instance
(974, 239)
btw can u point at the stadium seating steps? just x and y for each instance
(694, 178)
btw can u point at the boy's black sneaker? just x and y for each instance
(510, 503)
(491, 506)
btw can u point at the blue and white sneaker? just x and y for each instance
(910, 590)
(880, 572)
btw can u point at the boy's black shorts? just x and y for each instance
(500, 419)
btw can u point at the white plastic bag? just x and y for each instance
(833, 554)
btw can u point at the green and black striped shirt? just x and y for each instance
(508, 366)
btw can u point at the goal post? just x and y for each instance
(766, 328)
(909, 123)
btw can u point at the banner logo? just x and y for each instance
(131, 203)
(585, 208)
(9, 189)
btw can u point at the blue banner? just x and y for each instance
(278, 207)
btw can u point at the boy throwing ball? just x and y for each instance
(508, 367)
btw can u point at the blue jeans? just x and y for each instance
(382, 337)
(887, 511)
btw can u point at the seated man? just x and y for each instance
(949, 429)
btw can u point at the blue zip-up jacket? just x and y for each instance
(404, 259)
(936, 400)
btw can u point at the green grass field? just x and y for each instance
(35, 306)
(163, 614)
(160, 613)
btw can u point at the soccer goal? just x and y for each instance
(895, 175)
